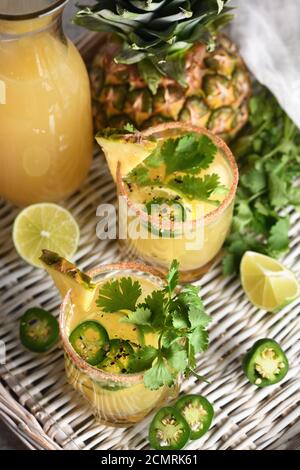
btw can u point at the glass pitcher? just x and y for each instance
(46, 135)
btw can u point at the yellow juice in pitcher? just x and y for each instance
(45, 112)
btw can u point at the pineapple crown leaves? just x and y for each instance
(156, 33)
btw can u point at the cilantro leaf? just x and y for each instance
(155, 303)
(191, 152)
(176, 357)
(120, 294)
(278, 242)
(254, 180)
(142, 359)
(229, 264)
(180, 320)
(199, 339)
(193, 187)
(173, 276)
(196, 312)
(169, 336)
(140, 175)
(141, 316)
(159, 375)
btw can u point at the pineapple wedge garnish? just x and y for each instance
(67, 276)
(129, 155)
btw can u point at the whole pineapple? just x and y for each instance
(163, 61)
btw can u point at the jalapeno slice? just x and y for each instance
(117, 358)
(39, 330)
(168, 430)
(198, 413)
(266, 363)
(90, 341)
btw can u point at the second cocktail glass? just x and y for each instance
(194, 242)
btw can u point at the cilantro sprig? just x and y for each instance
(177, 317)
(119, 294)
(268, 152)
(174, 164)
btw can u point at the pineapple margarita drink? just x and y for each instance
(125, 350)
(116, 396)
(177, 185)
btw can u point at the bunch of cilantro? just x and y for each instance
(177, 318)
(268, 153)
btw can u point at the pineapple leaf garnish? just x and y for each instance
(177, 318)
(120, 294)
(188, 154)
(268, 151)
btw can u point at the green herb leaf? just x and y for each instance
(196, 312)
(191, 152)
(180, 320)
(278, 242)
(155, 302)
(254, 180)
(142, 359)
(173, 276)
(170, 335)
(159, 375)
(141, 316)
(121, 294)
(199, 339)
(193, 187)
(176, 357)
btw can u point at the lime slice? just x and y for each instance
(268, 284)
(45, 226)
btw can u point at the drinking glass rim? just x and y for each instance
(56, 5)
(93, 372)
(211, 216)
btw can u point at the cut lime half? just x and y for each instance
(268, 284)
(45, 226)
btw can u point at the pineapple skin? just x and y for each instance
(216, 96)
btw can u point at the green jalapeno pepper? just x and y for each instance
(266, 363)
(198, 412)
(39, 330)
(90, 341)
(168, 430)
(117, 358)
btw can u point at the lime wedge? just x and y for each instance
(268, 284)
(45, 226)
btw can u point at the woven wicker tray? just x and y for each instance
(38, 404)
